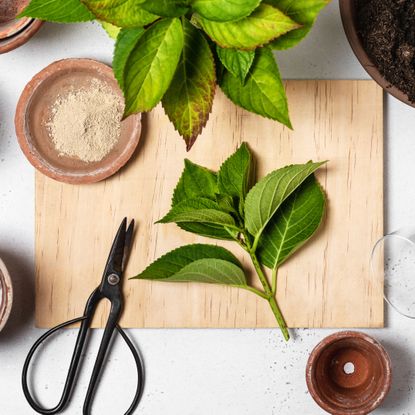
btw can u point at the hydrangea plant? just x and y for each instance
(177, 51)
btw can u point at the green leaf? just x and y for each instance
(151, 65)
(263, 25)
(199, 210)
(237, 62)
(265, 198)
(166, 8)
(126, 41)
(189, 99)
(195, 181)
(224, 10)
(263, 92)
(122, 13)
(112, 31)
(234, 174)
(211, 271)
(197, 263)
(227, 203)
(209, 231)
(304, 12)
(62, 11)
(293, 224)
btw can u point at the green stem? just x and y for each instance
(269, 293)
(254, 290)
(274, 281)
(270, 296)
(256, 242)
(247, 240)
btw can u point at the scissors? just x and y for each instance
(110, 289)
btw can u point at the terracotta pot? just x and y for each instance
(348, 15)
(349, 373)
(6, 295)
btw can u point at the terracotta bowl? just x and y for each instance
(6, 295)
(34, 111)
(348, 15)
(349, 373)
(15, 32)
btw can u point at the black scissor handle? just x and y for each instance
(67, 390)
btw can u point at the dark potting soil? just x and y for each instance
(387, 31)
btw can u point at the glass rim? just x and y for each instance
(391, 235)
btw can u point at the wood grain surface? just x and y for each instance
(325, 284)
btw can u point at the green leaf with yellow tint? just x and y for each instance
(263, 91)
(263, 25)
(121, 13)
(189, 99)
(304, 12)
(151, 65)
(61, 11)
(224, 10)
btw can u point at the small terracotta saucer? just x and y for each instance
(6, 295)
(34, 111)
(12, 42)
(349, 373)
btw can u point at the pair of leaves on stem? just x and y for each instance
(170, 61)
(279, 214)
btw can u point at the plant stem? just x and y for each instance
(253, 290)
(274, 281)
(270, 296)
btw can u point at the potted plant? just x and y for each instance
(177, 51)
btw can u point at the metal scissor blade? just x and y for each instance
(127, 246)
(116, 255)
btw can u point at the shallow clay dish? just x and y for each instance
(348, 373)
(34, 112)
(348, 15)
(6, 295)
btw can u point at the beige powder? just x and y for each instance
(86, 123)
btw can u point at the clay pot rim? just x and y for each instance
(104, 169)
(349, 25)
(13, 27)
(338, 337)
(18, 39)
(6, 297)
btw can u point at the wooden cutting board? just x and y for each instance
(326, 284)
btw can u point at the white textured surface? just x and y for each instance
(222, 372)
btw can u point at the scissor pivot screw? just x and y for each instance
(113, 279)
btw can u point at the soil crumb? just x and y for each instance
(387, 31)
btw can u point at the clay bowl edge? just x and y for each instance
(13, 42)
(6, 298)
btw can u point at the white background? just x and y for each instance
(203, 372)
